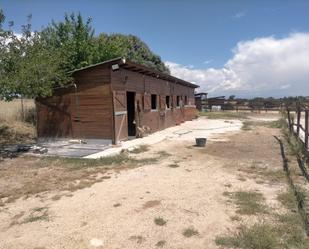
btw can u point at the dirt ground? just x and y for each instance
(172, 195)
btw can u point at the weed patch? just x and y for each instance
(235, 218)
(173, 165)
(189, 232)
(140, 149)
(248, 203)
(16, 132)
(224, 115)
(259, 236)
(37, 214)
(295, 146)
(163, 153)
(246, 126)
(277, 124)
(159, 221)
(271, 176)
(80, 163)
(161, 243)
(287, 199)
(56, 197)
(139, 239)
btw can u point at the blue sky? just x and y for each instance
(193, 34)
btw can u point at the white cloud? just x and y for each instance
(240, 14)
(207, 61)
(264, 66)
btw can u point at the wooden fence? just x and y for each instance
(297, 126)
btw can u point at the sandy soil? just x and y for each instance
(185, 189)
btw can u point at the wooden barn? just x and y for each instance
(115, 100)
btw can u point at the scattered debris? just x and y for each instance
(13, 151)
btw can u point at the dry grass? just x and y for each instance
(246, 126)
(259, 236)
(140, 149)
(161, 243)
(163, 154)
(235, 218)
(12, 128)
(189, 232)
(27, 176)
(37, 214)
(34, 215)
(286, 230)
(287, 199)
(225, 115)
(248, 203)
(11, 111)
(16, 132)
(259, 169)
(250, 125)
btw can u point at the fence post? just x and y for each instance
(306, 128)
(22, 108)
(289, 120)
(298, 119)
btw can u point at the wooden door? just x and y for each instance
(120, 115)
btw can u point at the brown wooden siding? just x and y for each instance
(54, 117)
(99, 109)
(87, 114)
(125, 80)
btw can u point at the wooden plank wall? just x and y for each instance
(144, 86)
(87, 114)
(54, 115)
(90, 112)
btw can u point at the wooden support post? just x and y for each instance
(306, 129)
(298, 120)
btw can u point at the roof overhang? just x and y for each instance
(135, 67)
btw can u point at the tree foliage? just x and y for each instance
(130, 47)
(33, 63)
(79, 47)
(73, 38)
(28, 66)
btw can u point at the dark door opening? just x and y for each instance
(131, 113)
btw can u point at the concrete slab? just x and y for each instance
(70, 148)
(187, 131)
